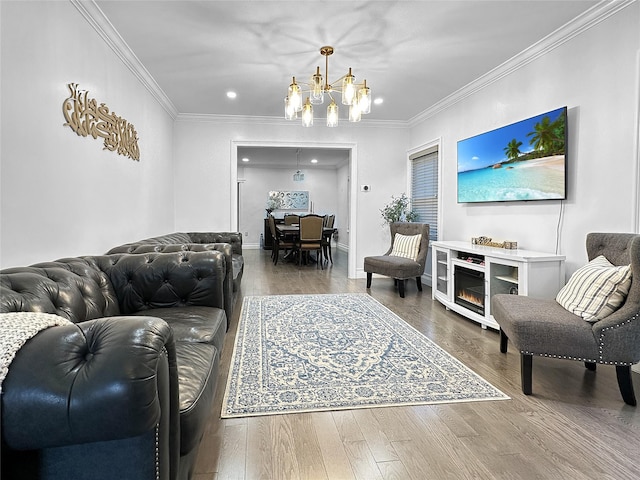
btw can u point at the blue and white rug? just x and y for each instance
(303, 353)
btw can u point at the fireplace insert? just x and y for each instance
(469, 289)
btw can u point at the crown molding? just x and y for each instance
(571, 29)
(253, 119)
(598, 13)
(97, 19)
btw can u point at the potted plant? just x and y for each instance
(398, 210)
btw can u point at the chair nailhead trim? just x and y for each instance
(600, 347)
(158, 451)
(564, 357)
(602, 334)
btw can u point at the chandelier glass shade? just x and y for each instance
(356, 96)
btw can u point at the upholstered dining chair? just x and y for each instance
(290, 219)
(279, 241)
(310, 238)
(326, 237)
(399, 263)
(578, 325)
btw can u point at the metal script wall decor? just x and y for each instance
(86, 117)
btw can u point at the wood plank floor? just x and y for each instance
(574, 426)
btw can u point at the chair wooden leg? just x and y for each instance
(419, 283)
(591, 366)
(369, 275)
(504, 341)
(526, 372)
(401, 287)
(625, 383)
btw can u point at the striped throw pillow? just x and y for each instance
(406, 246)
(596, 290)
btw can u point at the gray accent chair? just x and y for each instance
(399, 268)
(545, 328)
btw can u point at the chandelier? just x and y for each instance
(356, 96)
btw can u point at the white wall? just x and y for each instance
(62, 194)
(203, 167)
(342, 212)
(595, 74)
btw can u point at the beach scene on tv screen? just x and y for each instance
(521, 161)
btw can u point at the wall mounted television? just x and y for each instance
(523, 161)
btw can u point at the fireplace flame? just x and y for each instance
(471, 298)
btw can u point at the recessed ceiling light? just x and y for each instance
(245, 159)
(378, 101)
(231, 94)
(314, 160)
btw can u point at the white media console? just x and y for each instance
(466, 276)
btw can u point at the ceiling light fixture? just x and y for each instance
(298, 176)
(356, 96)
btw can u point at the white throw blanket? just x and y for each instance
(18, 327)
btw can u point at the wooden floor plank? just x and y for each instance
(575, 425)
(377, 440)
(334, 455)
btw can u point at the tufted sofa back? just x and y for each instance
(225, 248)
(232, 238)
(160, 280)
(91, 287)
(72, 288)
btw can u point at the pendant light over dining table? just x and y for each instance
(298, 176)
(355, 95)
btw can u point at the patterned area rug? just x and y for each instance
(303, 353)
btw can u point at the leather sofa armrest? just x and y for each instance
(93, 381)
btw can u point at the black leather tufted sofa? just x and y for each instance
(126, 392)
(230, 297)
(184, 239)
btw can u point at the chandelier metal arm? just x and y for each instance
(356, 95)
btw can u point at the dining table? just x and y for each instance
(293, 230)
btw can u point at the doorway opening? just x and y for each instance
(346, 226)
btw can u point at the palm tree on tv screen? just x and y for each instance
(548, 136)
(512, 150)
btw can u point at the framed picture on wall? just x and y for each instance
(292, 200)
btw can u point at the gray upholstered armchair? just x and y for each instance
(397, 267)
(546, 328)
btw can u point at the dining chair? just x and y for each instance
(279, 241)
(326, 237)
(290, 219)
(310, 238)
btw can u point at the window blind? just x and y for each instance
(424, 190)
